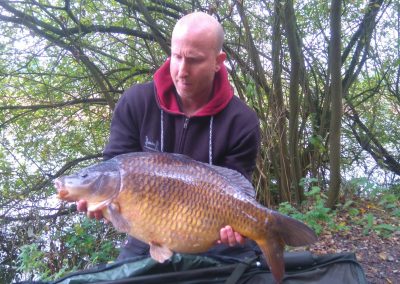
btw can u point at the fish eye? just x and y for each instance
(83, 175)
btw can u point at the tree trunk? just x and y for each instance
(282, 161)
(336, 104)
(294, 98)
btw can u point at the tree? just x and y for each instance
(336, 104)
(64, 64)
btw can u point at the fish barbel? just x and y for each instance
(176, 204)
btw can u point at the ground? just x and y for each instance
(377, 249)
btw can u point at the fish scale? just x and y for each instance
(188, 195)
(176, 204)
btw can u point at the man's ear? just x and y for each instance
(219, 60)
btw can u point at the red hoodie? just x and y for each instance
(224, 132)
(166, 94)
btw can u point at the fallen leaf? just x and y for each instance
(383, 255)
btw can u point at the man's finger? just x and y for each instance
(223, 237)
(98, 215)
(239, 238)
(90, 214)
(231, 236)
(81, 205)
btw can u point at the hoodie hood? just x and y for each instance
(166, 94)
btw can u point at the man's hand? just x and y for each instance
(230, 237)
(81, 206)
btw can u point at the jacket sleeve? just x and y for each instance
(124, 130)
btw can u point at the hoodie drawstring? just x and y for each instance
(162, 131)
(210, 142)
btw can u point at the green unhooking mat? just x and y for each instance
(301, 267)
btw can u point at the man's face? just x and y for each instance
(194, 61)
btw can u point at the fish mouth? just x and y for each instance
(62, 193)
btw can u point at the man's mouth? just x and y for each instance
(185, 85)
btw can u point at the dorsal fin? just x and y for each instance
(237, 179)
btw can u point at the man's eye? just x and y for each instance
(176, 56)
(193, 60)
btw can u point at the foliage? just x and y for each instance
(316, 215)
(63, 66)
(83, 238)
(31, 261)
(390, 203)
(370, 222)
(79, 246)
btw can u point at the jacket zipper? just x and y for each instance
(183, 136)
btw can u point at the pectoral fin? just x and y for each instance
(159, 252)
(114, 215)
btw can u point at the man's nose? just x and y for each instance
(183, 68)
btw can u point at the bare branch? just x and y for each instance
(56, 105)
(59, 213)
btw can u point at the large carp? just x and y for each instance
(176, 204)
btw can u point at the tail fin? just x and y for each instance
(272, 248)
(293, 232)
(283, 230)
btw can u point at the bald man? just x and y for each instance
(188, 108)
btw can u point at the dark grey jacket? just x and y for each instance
(147, 118)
